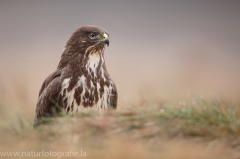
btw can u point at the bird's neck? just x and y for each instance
(91, 67)
(94, 64)
(94, 60)
(82, 58)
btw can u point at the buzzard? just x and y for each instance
(81, 79)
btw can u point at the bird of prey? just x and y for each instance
(81, 79)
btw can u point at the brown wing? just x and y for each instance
(48, 93)
(113, 97)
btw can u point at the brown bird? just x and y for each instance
(81, 79)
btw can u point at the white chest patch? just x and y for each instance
(93, 62)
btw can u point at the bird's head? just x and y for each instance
(89, 39)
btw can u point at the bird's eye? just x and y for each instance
(92, 35)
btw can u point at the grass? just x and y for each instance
(203, 129)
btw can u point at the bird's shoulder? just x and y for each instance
(50, 79)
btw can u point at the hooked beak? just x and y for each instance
(106, 39)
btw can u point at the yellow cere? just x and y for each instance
(105, 36)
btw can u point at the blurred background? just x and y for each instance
(160, 50)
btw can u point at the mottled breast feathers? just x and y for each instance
(81, 79)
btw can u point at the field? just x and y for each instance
(199, 128)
